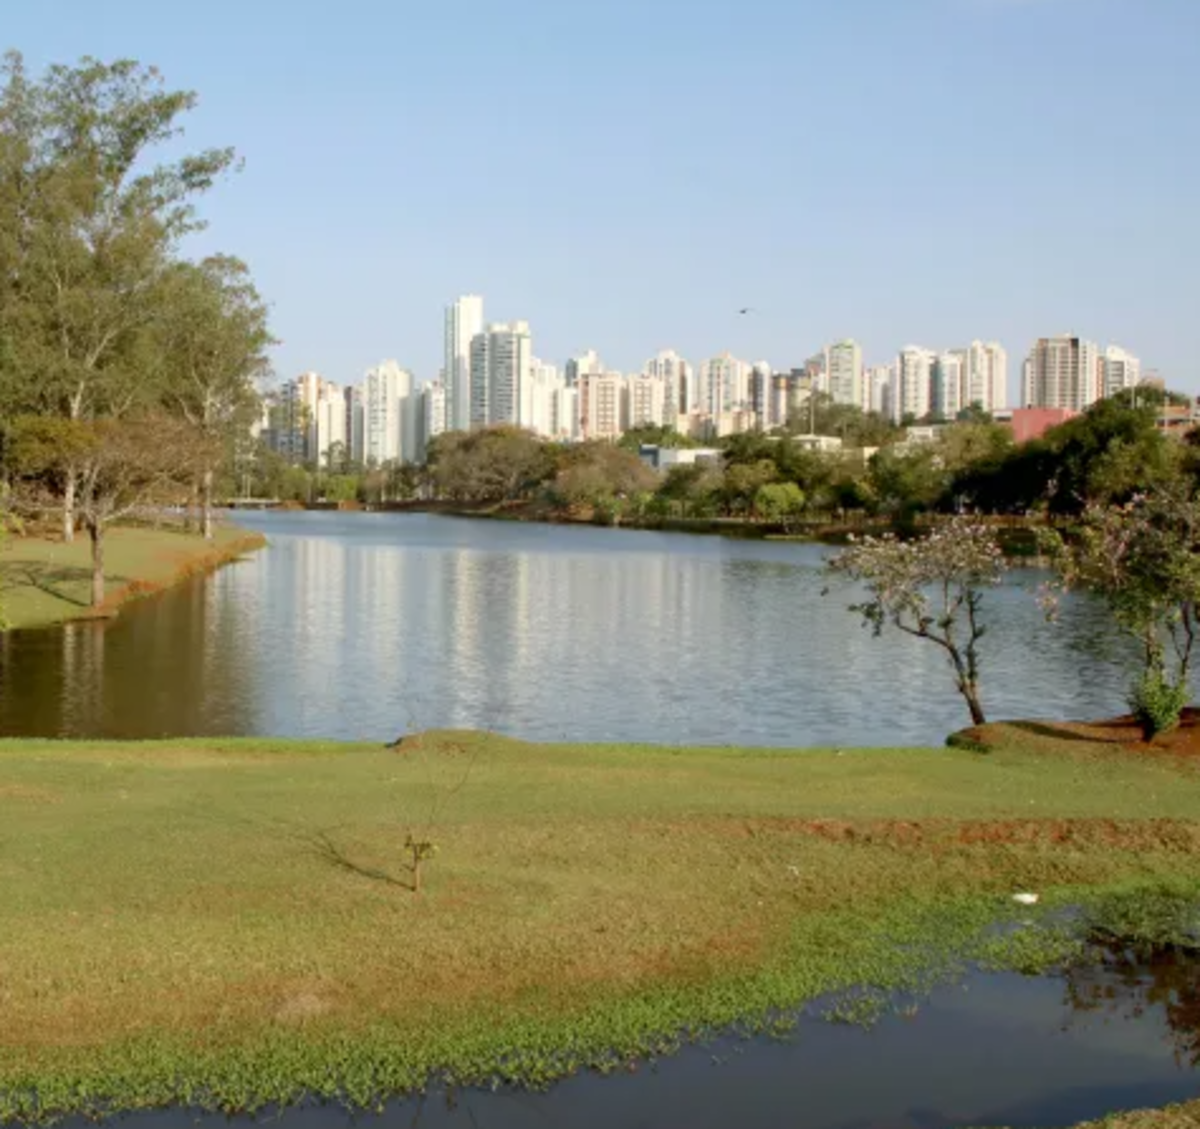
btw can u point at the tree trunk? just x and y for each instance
(206, 492)
(970, 691)
(68, 526)
(96, 533)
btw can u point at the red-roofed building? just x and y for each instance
(1033, 423)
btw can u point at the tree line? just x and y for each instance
(127, 370)
(1106, 454)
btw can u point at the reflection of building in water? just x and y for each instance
(488, 598)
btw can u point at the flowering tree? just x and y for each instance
(931, 588)
(1143, 560)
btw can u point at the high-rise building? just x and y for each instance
(385, 390)
(651, 401)
(354, 423)
(433, 417)
(464, 321)
(877, 394)
(816, 368)
(309, 417)
(985, 376)
(502, 375)
(914, 379)
(1063, 372)
(843, 373)
(566, 414)
(672, 368)
(761, 402)
(602, 406)
(328, 430)
(545, 383)
(1122, 370)
(586, 364)
(723, 385)
(947, 383)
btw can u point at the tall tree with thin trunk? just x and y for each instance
(213, 338)
(88, 226)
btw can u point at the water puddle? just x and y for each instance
(997, 1049)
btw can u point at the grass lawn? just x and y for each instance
(44, 582)
(230, 922)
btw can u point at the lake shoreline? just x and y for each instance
(45, 582)
(248, 933)
(1015, 539)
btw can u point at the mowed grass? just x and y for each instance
(44, 581)
(230, 922)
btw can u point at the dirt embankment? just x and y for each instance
(1119, 733)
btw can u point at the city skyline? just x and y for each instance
(865, 196)
(491, 375)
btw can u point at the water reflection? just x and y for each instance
(1129, 981)
(360, 625)
(998, 1049)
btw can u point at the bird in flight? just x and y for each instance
(746, 310)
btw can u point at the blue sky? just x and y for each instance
(626, 174)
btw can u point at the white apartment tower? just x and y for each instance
(672, 368)
(502, 375)
(985, 379)
(545, 384)
(723, 385)
(877, 395)
(464, 321)
(385, 392)
(651, 401)
(1063, 372)
(433, 417)
(948, 378)
(1122, 370)
(844, 373)
(914, 379)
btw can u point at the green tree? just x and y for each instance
(87, 226)
(494, 464)
(932, 589)
(120, 465)
(652, 436)
(906, 483)
(743, 481)
(213, 337)
(779, 501)
(600, 474)
(1142, 559)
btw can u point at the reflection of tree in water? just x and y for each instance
(1126, 980)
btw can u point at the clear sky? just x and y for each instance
(627, 174)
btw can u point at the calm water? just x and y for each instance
(997, 1050)
(369, 625)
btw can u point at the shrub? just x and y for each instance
(1157, 703)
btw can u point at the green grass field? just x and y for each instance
(44, 582)
(231, 922)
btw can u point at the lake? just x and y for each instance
(370, 625)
